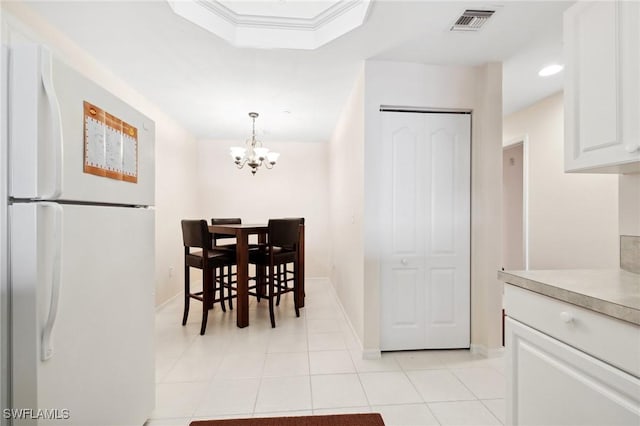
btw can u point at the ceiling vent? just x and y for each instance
(472, 20)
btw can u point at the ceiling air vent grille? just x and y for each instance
(472, 20)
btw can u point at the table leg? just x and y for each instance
(242, 259)
(261, 270)
(300, 293)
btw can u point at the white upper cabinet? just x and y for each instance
(602, 89)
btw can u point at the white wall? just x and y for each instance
(296, 187)
(573, 217)
(417, 85)
(486, 209)
(346, 188)
(629, 204)
(176, 193)
(512, 208)
(177, 197)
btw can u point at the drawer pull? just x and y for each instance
(404, 262)
(631, 147)
(566, 317)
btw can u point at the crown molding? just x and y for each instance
(255, 30)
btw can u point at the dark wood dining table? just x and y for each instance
(242, 233)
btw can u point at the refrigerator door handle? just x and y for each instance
(56, 272)
(46, 73)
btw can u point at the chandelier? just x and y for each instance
(254, 155)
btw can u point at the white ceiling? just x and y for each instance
(209, 86)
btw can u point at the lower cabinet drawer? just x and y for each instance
(551, 383)
(608, 339)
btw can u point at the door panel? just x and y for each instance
(404, 314)
(405, 308)
(425, 230)
(442, 191)
(402, 245)
(598, 107)
(404, 191)
(442, 297)
(448, 248)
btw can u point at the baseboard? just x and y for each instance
(316, 278)
(194, 284)
(166, 302)
(484, 351)
(371, 354)
(366, 354)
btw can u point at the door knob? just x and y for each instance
(404, 261)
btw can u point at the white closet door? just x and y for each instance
(425, 231)
(403, 227)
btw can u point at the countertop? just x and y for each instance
(612, 292)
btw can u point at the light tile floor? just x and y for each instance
(311, 365)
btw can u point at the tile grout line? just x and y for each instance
(306, 328)
(255, 401)
(490, 411)
(364, 391)
(426, 404)
(470, 390)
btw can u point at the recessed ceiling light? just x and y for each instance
(550, 70)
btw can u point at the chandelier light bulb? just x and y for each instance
(273, 157)
(261, 153)
(237, 153)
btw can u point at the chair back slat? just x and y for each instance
(300, 222)
(224, 221)
(284, 232)
(195, 233)
(299, 219)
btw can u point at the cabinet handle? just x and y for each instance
(404, 261)
(631, 147)
(56, 276)
(56, 120)
(566, 317)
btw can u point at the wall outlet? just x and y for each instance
(171, 271)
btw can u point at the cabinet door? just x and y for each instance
(602, 44)
(551, 383)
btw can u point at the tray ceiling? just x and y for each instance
(271, 25)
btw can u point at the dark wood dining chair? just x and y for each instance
(282, 247)
(219, 238)
(286, 273)
(229, 246)
(195, 234)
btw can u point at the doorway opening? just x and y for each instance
(515, 230)
(515, 212)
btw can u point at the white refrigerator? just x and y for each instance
(80, 188)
